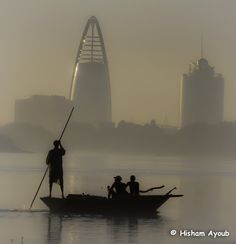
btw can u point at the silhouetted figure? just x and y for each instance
(118, 186)
(54, 160)
(133, 186)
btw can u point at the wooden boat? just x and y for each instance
(89, 204)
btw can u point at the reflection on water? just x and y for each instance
(209, 200)
(46, 228)
(74, 228)
(54, 229)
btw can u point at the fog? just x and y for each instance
(149, 46)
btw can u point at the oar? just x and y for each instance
(151, 189)
(168, 193)
(48, 166)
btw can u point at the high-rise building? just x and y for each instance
(202, 98)
(90, 88)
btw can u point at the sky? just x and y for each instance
(149, 45)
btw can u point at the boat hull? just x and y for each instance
(101, 205)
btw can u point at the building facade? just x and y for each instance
(90, 87)
(202, 95)
(48, 112)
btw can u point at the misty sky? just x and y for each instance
(149, 46)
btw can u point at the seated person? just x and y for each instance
(133, 186)
(118, 186)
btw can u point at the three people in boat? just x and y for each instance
(55, 163)
(118, 188)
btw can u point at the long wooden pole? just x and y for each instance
(48, 166)
(66, 123)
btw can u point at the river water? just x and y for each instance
(209, 200)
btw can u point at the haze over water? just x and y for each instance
(208, 203)
(149, 46)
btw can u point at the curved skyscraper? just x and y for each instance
(202, 99)
(90, 88)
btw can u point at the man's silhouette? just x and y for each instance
(54, 160)
(119, 188)
(133, 186)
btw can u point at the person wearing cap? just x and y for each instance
(133, 186)
(54, 161)
(117, 189)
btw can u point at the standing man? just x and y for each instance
(54, 161)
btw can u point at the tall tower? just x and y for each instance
(90, 87)
(202, 98)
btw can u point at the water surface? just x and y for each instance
(208, 204)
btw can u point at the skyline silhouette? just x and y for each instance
(147, 55)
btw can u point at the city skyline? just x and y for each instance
(147, 55)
